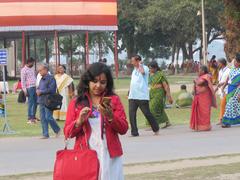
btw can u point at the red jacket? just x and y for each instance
(119, 125)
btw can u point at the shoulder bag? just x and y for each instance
(81, 164)
(53, 101)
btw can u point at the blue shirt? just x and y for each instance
(139, 85)
(46, 86)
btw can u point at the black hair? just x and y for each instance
(204, 69)
(104, 60)
(137, 58)
(30, 60)
(64, 67)
(154, 64)
(89, 75)
(222, 61)
(238, 57)
(183, 87)
(213, 57)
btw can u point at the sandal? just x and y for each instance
(168, 124)
(226, 126)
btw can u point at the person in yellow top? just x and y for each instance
(65, 87)
(213, 69)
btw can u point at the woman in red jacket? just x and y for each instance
(101, 122)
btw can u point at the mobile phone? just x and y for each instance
(106, 101)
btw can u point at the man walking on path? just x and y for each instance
(46, 86)
(139, 96)
(28, 80)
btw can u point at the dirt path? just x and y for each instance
(146, 168)
(182, 164)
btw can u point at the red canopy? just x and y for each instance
(48, 15)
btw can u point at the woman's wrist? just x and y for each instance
(168, 95)
(77, 124)
(110, 120)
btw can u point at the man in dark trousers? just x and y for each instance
(139, 96)
(46, 86)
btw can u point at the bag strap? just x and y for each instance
(67, 141)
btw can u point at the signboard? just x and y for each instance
(3, 63)
(3, 56)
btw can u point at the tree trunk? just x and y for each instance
(185, 53)
(46, 50)
(177, 65)
(100, 47)
(173, 52)
(200, 53)
(190, 50)
(130, 46)
(232, 25)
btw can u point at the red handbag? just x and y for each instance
(79, 164)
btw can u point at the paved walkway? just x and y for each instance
(28, 155)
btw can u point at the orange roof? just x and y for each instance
(45, 15)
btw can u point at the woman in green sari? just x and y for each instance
(159, 91)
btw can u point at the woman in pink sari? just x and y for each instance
(204, 99)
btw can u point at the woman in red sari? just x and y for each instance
(204, 99)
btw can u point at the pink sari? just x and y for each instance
(204, 99)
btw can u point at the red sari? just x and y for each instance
(204, 99)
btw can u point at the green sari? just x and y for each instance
(158, 97)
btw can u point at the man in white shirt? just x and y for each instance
(222, 78)
(139, 96)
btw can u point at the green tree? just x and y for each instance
(178, 22)
(232, 24)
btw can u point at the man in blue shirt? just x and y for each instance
(139, 96)
(46, 86)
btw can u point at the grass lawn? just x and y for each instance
(17, 113)
(123, 83)
(218, 172)
(17, 117)
(18, 120)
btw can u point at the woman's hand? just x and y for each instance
(222, 90)
(157, 86)
(170, 99)
(38, 93)
(216, 89)
(82, 116)
(106, 111)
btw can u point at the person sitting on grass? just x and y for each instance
(184, 98)
(17, 86)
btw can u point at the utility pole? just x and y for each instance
(204, 39)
